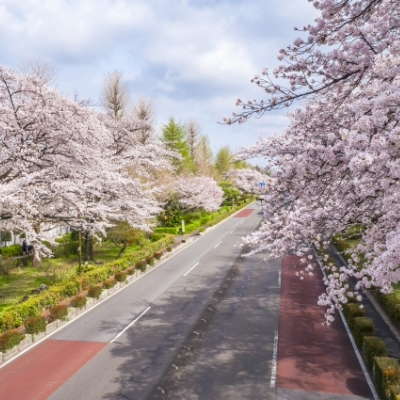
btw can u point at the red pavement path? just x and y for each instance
(312, 357)
(39, 372)
(244, 213)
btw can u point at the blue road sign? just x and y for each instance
(261, 184)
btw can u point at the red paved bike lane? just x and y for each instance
(314, 361)
(38, 373)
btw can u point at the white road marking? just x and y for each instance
(127, 327)
(241, 222)
(274, 361)
(232, 230)
(218, 244)
(195, 265)
(280, 279)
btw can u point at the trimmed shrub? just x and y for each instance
(71, 287)
(386, 373)
(169, 248)
(352, 311)
(373, 347)
(130, 271)
(9, 339)
(158, 255)
(120, 276)
(35, 325)
(362, 326)
(394, 392)
(79, 301)
(59, 312)
(141, 265)
(9, 320)
(109, 283)
(150, 261)
(94, 292)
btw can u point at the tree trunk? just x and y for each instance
(122, 250)
(37, 257)
(88, 246)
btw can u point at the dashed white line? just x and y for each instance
(127, 327)
(195, 265)
(232, 230)
(218, 244)
(241, 222)
(274, 361)
(280, 279)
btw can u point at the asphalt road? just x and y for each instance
(132, 366)
(126, 346)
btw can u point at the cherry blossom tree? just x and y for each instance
(199, 192)
(62, 163)
(337, 164)
(248, 180)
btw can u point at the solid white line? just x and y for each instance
(127, 327)
(218, 244)
(195, 265)
(280, 279)
(274, 369)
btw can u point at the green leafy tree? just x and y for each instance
(174, 137)
(232, 195)
(123, 235)
(223, 161)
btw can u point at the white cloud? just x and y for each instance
(194, 57)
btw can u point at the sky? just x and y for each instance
(194, 58)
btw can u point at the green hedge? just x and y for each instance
(373, 347)
(35, 325)
(391, 304)
(120, 276)
(9, 339)
(394, 392)
(95, 292)
(386, 373)
(59, 312)
(79, 301)
(11, 251)
(362, 326)
(14, 315)
(351, 311)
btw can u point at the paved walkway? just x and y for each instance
(314, 362)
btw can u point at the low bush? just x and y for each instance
(9, 320)
(59, 312)
(120, 276)
(141, 265)
(362, 326)
(94, 292)
(394, 392)
(158, 255)
(150, 261)
(9, 339)
(169, 248)
(11, 251)
(109, 283)
(373, 347)
(351, 311)
(386, 373)
(130, 271)
(79, 301)
(35, 325)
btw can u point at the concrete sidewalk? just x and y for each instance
(315, 362)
